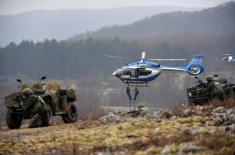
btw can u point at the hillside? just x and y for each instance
(213, 21)
(61, 24)
(83, 62)
(179, 130)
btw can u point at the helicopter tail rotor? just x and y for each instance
(196, 67)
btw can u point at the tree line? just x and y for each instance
(86, 57)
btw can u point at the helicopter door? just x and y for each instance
(142, 72)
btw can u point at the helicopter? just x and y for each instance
(141, 72)
(228, 58)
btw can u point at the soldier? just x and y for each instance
(37, 107)
(128, 92)
(213, 91)
(136, 92)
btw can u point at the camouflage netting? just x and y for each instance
(38, 86)
(10, 103)
(23, 86)
(53, 88)
(71, 94)
(53, 85)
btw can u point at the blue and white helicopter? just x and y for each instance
(229, 58)
(146, 70)
(139, 73)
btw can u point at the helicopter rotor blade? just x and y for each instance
(143, 58)
(167, 59)
(112, 56)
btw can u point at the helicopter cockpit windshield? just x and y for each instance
(225, 58)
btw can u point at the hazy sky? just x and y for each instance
(16, 6)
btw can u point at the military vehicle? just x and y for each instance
(58, 102)
(199, 94)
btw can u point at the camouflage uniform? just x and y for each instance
(37, 107)
(214, 92)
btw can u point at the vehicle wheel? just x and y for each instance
(13, 120)
(72, 114)
(42, 119)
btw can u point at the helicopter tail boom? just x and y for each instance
(195, 67)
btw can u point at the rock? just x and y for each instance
(140, 111)
(210, 123)
(153, 115)
(166, 150)
(143, 109)
(200, 108)
(178, 126)
(187, 112)
(54, 151)
(157, 130)
(173, 117)
(230, 113)
(230, 129)
(166, 114)
(110, 118)
(189, 148)
(200, 112)
(190, 131)
(232, 118)
(104, 153)
(218, 110)
(219, 118)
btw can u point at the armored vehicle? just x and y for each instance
(202, 94)
(40, 103)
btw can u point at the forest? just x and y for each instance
(86, 57)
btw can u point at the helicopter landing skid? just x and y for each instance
(136, 84)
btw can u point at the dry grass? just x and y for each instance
(216, 143)
(131, 135)
(229, 103)
(220, 143)
(176, 109)
(90, 112)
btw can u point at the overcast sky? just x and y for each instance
(17, 6)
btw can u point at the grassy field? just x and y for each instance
(172, 134)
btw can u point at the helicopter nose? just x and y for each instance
(115, 74)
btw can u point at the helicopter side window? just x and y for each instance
(126, 71)
(143, 72)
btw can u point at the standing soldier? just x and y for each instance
(213, 91)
